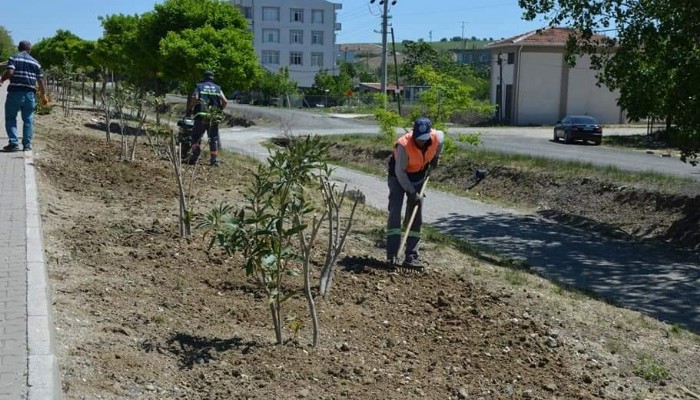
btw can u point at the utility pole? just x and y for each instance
(464, 42)
(398, 92)
(385, 17)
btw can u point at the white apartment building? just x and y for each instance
(297, 34)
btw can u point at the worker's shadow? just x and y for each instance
(364, 264)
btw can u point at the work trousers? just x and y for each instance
(394, 224)
(212, 129)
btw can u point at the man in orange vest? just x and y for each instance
(414, 154)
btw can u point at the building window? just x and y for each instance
(484, 58)
(296, 37)
(296, 15)
(317, 59)
(247, 12)
(316, 16)
(295, 58)
(271, 35)
(467, 58)
(271, 57)
(317, 37)
(271, 13)
(511, 58)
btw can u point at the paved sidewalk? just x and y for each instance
(28, 366)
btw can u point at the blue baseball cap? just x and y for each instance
(421, 129)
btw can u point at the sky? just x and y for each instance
(34, 20)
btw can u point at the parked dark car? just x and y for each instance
(578, 127)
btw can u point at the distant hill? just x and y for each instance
(370, 53)
(376, 48)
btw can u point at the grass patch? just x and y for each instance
(159, 319)
(650, 369)
(614, 346)
(514, 277)
(559, 168)
(676, 329)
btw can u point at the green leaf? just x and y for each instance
(295, 229)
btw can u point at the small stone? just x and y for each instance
(508, 390)
(463, 393)
(551, 387)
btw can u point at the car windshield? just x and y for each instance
(583, 120)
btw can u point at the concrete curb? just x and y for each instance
(43, 380)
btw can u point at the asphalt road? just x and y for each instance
(535, 141)
(657, 281)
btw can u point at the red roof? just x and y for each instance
(390, 87)
(550, 36)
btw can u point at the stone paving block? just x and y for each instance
(11, 392)
(14, 315)
(13, 365)
(12, 346)
(17, 329)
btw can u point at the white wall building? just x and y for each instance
(297, 34)
(539, 87)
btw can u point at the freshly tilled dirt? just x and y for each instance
(142, 313)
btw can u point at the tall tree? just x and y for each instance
(446, 95)
(116, 49)
(417, 54)
(7, 47)
(183, 25)
(651, 56)
(188, 53)
(170, 47)
(331, 85)
(271, 84)
(64, 48)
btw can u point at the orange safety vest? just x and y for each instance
(418, 158)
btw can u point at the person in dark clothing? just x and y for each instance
(414, 154)
(24, 73)
(206, 104)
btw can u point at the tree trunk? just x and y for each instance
(310, 300)
(277, 321)
(185, 229)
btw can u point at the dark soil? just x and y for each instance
(142, 313)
